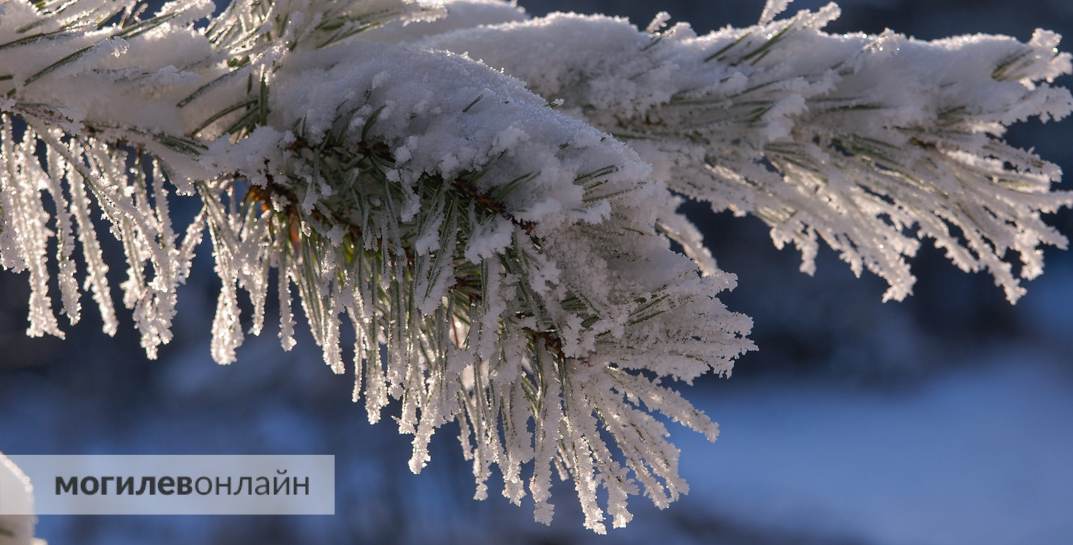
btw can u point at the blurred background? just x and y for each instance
(943, 420)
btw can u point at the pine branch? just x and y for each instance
(486, 282)
(18, 498)
(865, 142)
(502, 263)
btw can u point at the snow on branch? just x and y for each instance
(483, 248)
(16, 496)
(865, 142)
(498, 262)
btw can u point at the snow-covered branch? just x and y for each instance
(483, 247)
(498, 261)
(865, 142)
(16, 496)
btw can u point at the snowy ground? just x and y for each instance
(979, 457)
(976, 456)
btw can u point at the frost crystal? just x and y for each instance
(504, 249)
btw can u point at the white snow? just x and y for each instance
(977, 456)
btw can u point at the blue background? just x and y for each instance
(943, 420)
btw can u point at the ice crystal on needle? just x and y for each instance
(509, 264)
